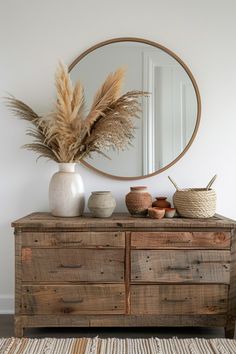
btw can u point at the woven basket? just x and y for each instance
(195, 202)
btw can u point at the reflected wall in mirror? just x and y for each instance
(170, 115)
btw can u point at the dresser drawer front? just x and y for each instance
(85, 265)
(74, 239)
(73, 299)
(176, 266)
(168, 240)
(178, 299)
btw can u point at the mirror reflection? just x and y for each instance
(169, 115)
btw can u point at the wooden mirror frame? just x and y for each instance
(168, 51)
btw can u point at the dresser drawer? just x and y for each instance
(74, 239)
(167, 240)
(178, 299)
(73, 299)
(177, 266)
(82, 265)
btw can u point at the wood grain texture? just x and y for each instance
(18, 272)
(18, 326)
(74, 239)
(73, 299)
(77, 272)
(84, 265)
(230, 326)
(18, 285)
(175, 240)
(179, 299)
(117, 221)
(124, 320)
(127, 272)
(180, 266)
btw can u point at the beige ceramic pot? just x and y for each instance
(101, 204)
(138, 200)
(66, 192)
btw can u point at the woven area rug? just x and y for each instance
(116, 346)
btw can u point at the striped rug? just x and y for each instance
(116, 346)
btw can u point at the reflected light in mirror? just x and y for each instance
(170, 115)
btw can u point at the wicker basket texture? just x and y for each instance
(195, 202)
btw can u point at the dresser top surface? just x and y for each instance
(43, 220)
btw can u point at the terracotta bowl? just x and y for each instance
(170, 212)
(156, 213)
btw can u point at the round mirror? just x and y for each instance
(170, 115)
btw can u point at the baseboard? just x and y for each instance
(6, 304)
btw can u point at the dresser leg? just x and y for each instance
(229, 330)
(19, 330)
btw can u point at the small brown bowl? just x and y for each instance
(170, 212)
(156, 213)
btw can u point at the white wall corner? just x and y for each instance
(6, 304)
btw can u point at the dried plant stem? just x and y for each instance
(66, 135)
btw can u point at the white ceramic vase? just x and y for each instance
(66, 192)
(101, 204)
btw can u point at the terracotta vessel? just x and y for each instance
(161, 202)
(156, 213)
(101, 204)
(138, 200)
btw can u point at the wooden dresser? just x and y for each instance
(124, 271)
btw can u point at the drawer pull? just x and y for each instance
(178, 268)
(79, 301)
(175, 300)
(68, 242)
(178, 241)
(70, 266)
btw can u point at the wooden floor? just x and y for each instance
(7, 330)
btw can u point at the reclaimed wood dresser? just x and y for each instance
(124, 271)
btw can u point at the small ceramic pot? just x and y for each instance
(101, 204)
(156, 213)
(161, 202)
(138, 200)
(170, 212)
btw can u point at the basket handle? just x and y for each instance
(175, 185)
(211, 182)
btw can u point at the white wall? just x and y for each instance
(35, 34)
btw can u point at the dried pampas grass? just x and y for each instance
(66, 134)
